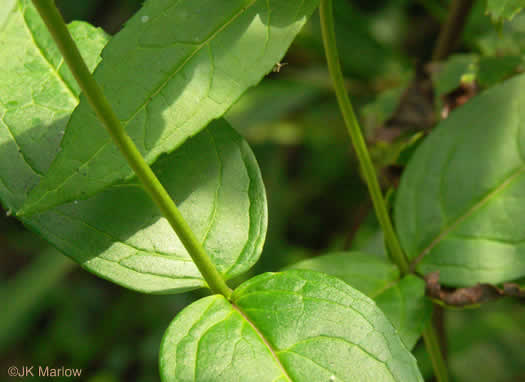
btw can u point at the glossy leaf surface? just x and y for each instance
(167, 84)
(460, 207)
(292, 326)
(403, 300)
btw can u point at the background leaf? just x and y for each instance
(27, 292)
(459, 212)
(190, 75)
(369, 274)
(407, 308)
(504, 9)
(296, 325)
(403, 300)
(466, 68)
(220, 194)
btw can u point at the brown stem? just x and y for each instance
(453, 28)
(439, 322)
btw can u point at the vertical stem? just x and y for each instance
(434, 350)
(332, 56)
(152, 185)
(453, 28)
(396, 253)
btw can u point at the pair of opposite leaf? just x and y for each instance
(191, 77)
(80, 200)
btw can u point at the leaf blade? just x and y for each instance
(504, 9)
(402, 300)
(190, 76)
(121, 236)
(468, 228)
(40, 94)
(289, 338)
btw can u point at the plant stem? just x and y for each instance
(56, 25)
(332, 56)
(453, 28)
(434, 350)
(396, 253)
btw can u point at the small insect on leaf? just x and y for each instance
(277, 68)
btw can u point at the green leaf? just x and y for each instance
(369, 274)
(403, 301)
(291, 326)
(454, 72)
(460, 206)
(6, 9)
(407, 308)
(466, 68)
(504, 9)
(120, 235)
(38, 95)
(494, 69)
(190, 74)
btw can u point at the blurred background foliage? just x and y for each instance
(57, 314)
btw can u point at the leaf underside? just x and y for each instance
(38, 95)
(402, 300)
(189, 75)
(460, 208)
(291, 326)
(119, 234)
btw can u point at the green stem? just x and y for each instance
(100, 104)
(396, 253)
(434, 350)
(332, 56)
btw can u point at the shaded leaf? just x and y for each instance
(120, 235)
(494, 69)
(456, 70)
(466, 68)
(296, 325)
(369, 274)
(189, 75)
(38, 95)
(459, 209)
(403, 300)
(407, 308)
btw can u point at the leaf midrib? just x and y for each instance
(460, 219)
(264, 340)
(190, 56)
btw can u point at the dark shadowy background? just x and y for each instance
(59, 315)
